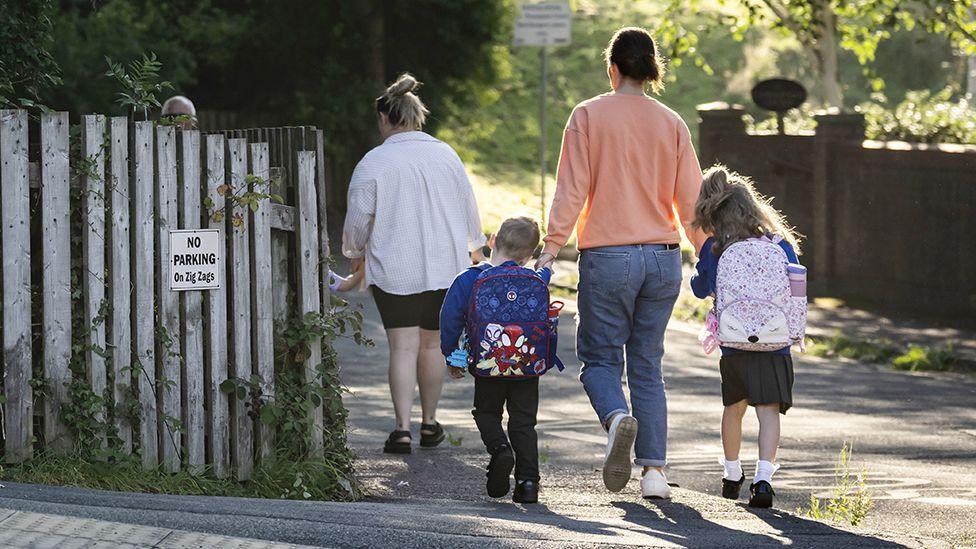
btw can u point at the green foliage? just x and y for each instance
(27, 67)
(918, 357)
(879, 351)
(240, 198)
(821, 28)
(923, 117)
(296, 395)
(690, 308)
(873, 351)
(500, 135)
(850, 501)
(140, 83)
(275, 478)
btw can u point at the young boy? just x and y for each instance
(512, 343)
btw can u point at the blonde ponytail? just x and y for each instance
(402, 107)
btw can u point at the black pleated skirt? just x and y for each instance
(758, 378)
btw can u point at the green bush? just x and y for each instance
(922, 117)
(918, 357)
(874, 351)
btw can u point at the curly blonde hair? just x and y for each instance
(730, 209)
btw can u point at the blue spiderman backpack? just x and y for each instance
(511, 325)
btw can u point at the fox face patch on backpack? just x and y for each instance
(754, 306)
(510, 330)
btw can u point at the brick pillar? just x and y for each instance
(717, 122)
(832, 129)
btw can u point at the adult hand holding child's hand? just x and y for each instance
(545, 260)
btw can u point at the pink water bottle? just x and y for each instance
(798, 279)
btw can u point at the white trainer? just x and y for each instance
(620, 441)
(654, 485)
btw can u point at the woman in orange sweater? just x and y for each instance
(627, 175)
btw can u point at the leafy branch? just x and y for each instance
(140, 83)
(240, 198)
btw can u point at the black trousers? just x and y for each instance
(522, 400)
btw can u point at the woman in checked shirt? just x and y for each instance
(413, 225)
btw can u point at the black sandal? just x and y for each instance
(394, 445)
(436, 436)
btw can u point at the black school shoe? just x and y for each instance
(526, 491)
(499, 470)
(731, 488)
(761, 495)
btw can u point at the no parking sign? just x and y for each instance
(194, 259)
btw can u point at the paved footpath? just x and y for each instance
(915, 434)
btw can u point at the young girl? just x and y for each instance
(730, 211)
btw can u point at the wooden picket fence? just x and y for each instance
(139, 181)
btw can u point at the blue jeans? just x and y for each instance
(626, 294)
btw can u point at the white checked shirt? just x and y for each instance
(413, 215)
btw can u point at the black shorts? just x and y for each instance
(757, 378)
(407, 311)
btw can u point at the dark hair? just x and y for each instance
(634, 52)
(518, 237)
(401, 105)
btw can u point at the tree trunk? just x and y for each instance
(828, 55)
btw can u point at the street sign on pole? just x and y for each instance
(543, 24)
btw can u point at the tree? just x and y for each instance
(27, 68)
(824, 27)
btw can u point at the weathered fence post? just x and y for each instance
(143, 223)
(306, 226)
(93, 249)
(168, 322)
(263, 314)
(240, 276)
(56, 230)
(193, 412)
(216, 368)
(120, 286)
(15, 217)
(324, 252)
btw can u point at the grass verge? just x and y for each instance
(913, 358)
(274, 479)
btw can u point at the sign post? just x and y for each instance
(779, 95)
(195, 256)
(543, 24)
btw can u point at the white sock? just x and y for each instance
(733, 469)
(764, 471)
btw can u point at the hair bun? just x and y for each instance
(405, 84)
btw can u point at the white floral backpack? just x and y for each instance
(754, 307)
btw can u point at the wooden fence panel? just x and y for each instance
(193, 378)
(56, 232)
(138, 185)
(143, 322)
(308, 283)
(169, 381)
(93, 249)
(15, 218)
(263, 306)
(240, 275)
(216, 366)
(120, 285)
